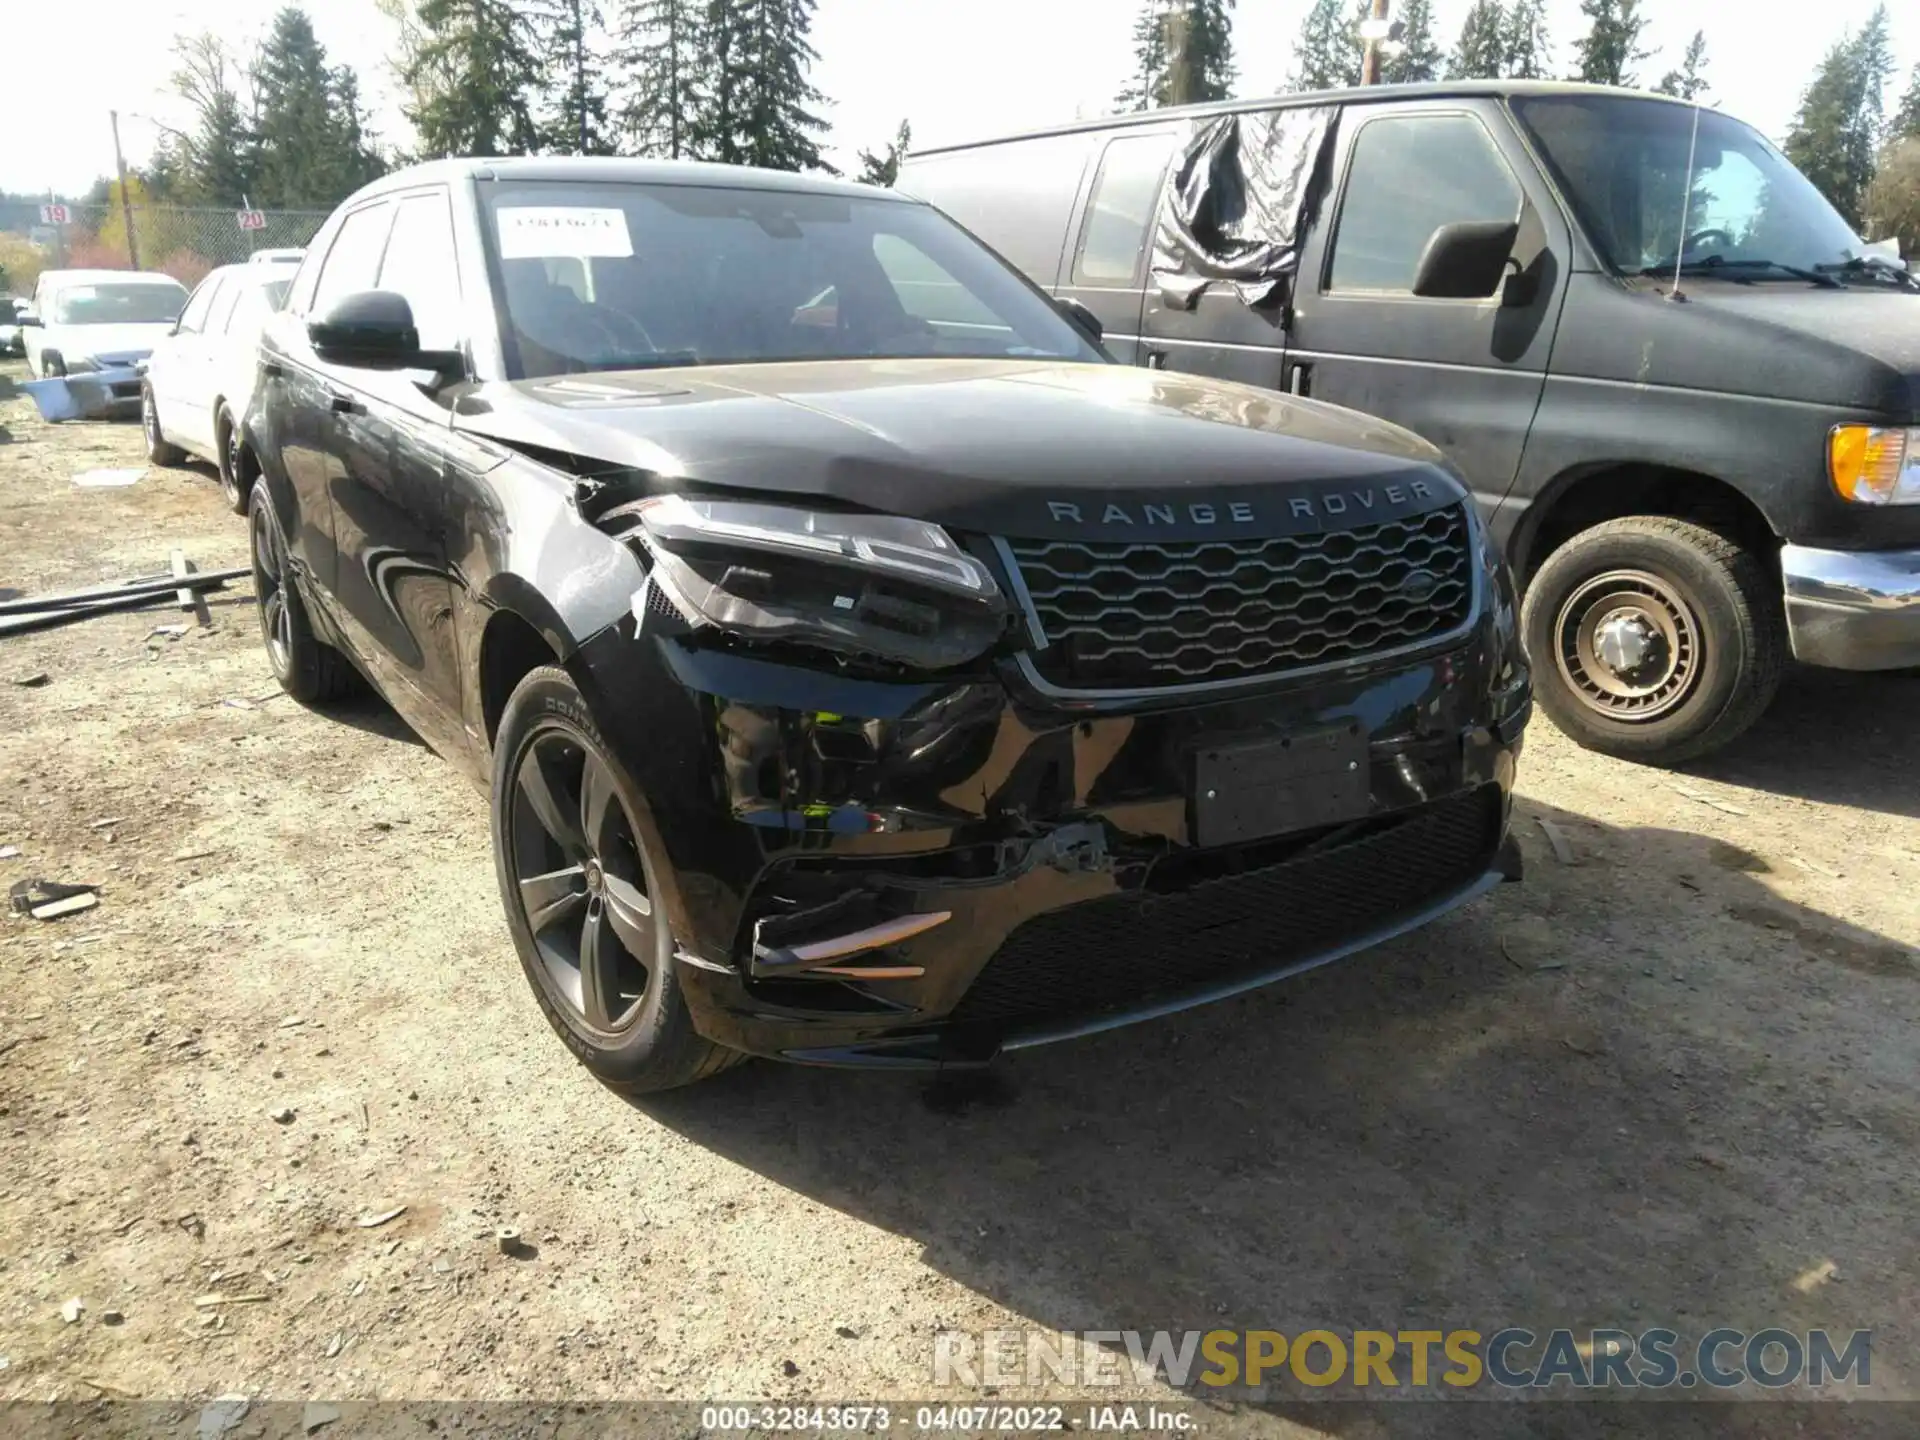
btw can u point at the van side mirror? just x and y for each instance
(1080, 315)
(1465, 260)
(374, 330)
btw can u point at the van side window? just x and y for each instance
(1113, 238)
(1411, 174)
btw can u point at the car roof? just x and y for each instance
(595, 169)
(1368, 94)
(102, 277)
(257, 274)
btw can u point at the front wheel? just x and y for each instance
(159, 452)
(581, 891)
(1653, 639)
(234, 480)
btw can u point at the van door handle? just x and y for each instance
(1156, 358)
(1300, 379)
(273, 370)
(341, 403)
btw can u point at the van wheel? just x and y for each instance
(1653, 639)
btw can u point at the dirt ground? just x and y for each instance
(1656, 1085)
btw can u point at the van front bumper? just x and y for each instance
(1853, 609)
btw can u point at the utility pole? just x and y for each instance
(126, 200)
(1370, 62)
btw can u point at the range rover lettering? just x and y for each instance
(864, 668)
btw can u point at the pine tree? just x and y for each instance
(1611, 46)
(1528, 50)
(1689, 82)
(311, 132)
(760, 111)
(1419, 58)
(1905, 124)
(1200, 59)
(218, 158)
(883, 170)
(1148, 82)
(474, 75)
(659, 45)
(1325, 57)
(575, 120)
(1835, 138)
(1482, 51)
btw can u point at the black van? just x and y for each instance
(1684, 391)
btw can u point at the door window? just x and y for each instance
(420, 265)
(223, 303)
(1113, 238)
(193, 319)
(1411, 174)
(354, 260)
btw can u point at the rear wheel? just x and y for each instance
(579, 887)
(308, 670)
(1654, 639)
(234, 480)
(159, 452)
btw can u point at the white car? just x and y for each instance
(200, 378)
(100, 323)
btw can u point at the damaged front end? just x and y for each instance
(110, 392)
(890, 844)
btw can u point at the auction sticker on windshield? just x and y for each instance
(542, 232)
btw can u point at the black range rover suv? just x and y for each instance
(864, 668)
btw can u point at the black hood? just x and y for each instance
(1018, 448)
(1857, 347)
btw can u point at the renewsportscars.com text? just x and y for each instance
(1512, 1358)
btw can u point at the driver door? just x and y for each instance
(385, 459)
(1466, 375)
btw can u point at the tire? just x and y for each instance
(231, 445)
(159, 452)
(309, 671)
(641, 1038)
(1702, 611)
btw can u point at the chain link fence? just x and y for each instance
(183, 242)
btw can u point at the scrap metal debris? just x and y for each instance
(32, 681)
(49, 899)
(44, 612)
(1557, 838)
(374, 1222)
(1697, 797)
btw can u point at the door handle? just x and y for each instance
(1300, 379)
(1156, 358)
(273, 370)
(341, 403)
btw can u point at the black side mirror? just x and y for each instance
(374, 330)
(1466, 260)
(33, 322)
(1080, 315)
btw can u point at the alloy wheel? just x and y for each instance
(1628, 645)
(580, 879)
(270, 585)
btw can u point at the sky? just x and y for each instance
(957, 69)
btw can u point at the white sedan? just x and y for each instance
(199, 380)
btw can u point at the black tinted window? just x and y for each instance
(1409, 176)
(1113, 241)
(420, 265)
(354, 261)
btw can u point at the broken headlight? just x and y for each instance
(856, 585)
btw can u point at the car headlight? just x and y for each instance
(853, 584)
(1872, 465)
(82, 365)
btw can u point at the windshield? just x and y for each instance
(119, 305)
(1623, 165)
(626, 276)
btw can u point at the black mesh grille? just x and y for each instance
(1124, 950)
(1120, 614)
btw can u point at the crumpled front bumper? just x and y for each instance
(1057, 843)
(1853, 609)
(93, 395)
